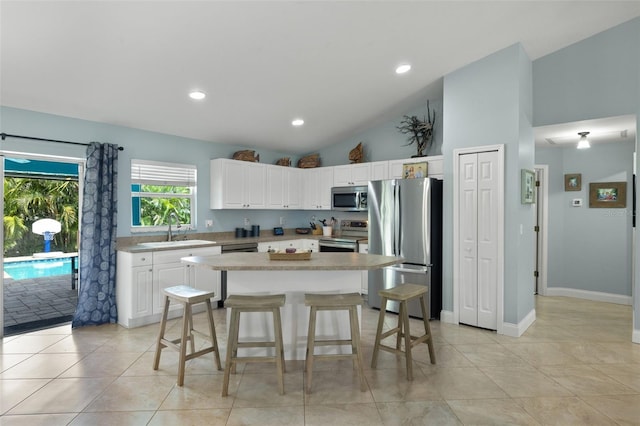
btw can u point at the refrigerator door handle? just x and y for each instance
(398, 221)
(411, 271)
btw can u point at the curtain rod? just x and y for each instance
(6, 135)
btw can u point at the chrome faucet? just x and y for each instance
(173, 215)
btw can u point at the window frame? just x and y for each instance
(156, 173)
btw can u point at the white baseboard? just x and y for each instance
(446, 316)
(596, 296)
(516, 330)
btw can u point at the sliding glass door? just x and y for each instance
(41, 205)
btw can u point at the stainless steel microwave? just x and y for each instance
(349, 198)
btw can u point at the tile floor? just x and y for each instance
(575, 365)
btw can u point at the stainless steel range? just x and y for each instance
(352, 232)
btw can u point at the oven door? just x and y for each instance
(337, 246)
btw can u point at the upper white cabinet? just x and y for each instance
(352, 174)
(379, 170)
(284, 187)
(237, 184)
(434, 166)
(317, 188)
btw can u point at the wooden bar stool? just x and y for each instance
(334, 302)
(403, 293)
(188, 296)
(238, 305)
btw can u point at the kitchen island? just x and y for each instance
(255, 274)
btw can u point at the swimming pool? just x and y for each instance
(38, 268)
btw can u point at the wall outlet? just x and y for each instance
(209, 223)
(246, 221)
(281, 220)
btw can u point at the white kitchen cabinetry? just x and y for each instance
(134, 286)
(352, 174)
(310, 245)
(142, 276)
(434, 166)
(317, 188)
(269, 246)
(379, 170)
(237, 184)
(284, 187)
(303, 244)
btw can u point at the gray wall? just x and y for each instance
(141, 144)
(485, 103)
(589, 248)
(384, 141)
(594, 78)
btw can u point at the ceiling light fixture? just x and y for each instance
(197, 95)
(403, 69)
(297, 122)
(583, 143)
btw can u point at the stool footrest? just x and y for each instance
(390, 349)
(256, 344)
(253, 359)
(201, 352)
(175, 344)
(325, 357)
(343, 342)
(389, 333)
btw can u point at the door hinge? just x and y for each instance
(535, 274)
(536, 228)
(537, 183)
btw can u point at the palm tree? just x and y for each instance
(27, 200)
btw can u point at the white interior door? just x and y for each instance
(468, 272)
(478, 193)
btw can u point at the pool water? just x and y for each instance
(40, 268)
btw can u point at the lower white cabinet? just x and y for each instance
(302, 243)
(142, 276)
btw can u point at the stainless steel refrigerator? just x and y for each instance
(405, 219)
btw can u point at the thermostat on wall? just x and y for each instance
(576, 202)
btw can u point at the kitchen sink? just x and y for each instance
(178, 243)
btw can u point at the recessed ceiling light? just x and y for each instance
(403, 68)
(197, 95)
(297, 122)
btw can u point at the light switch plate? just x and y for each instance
(576, 202)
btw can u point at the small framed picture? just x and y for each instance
(608, 195)
(414, 170)
(573, 182)
(528, 186)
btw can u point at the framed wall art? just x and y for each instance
(608, 195)
(573, 182)
(414, 170)
(527, 186)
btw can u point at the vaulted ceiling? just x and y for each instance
(264, 63)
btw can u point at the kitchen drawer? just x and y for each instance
(142, 259)
(173, 256)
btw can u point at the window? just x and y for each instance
(159, 189)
